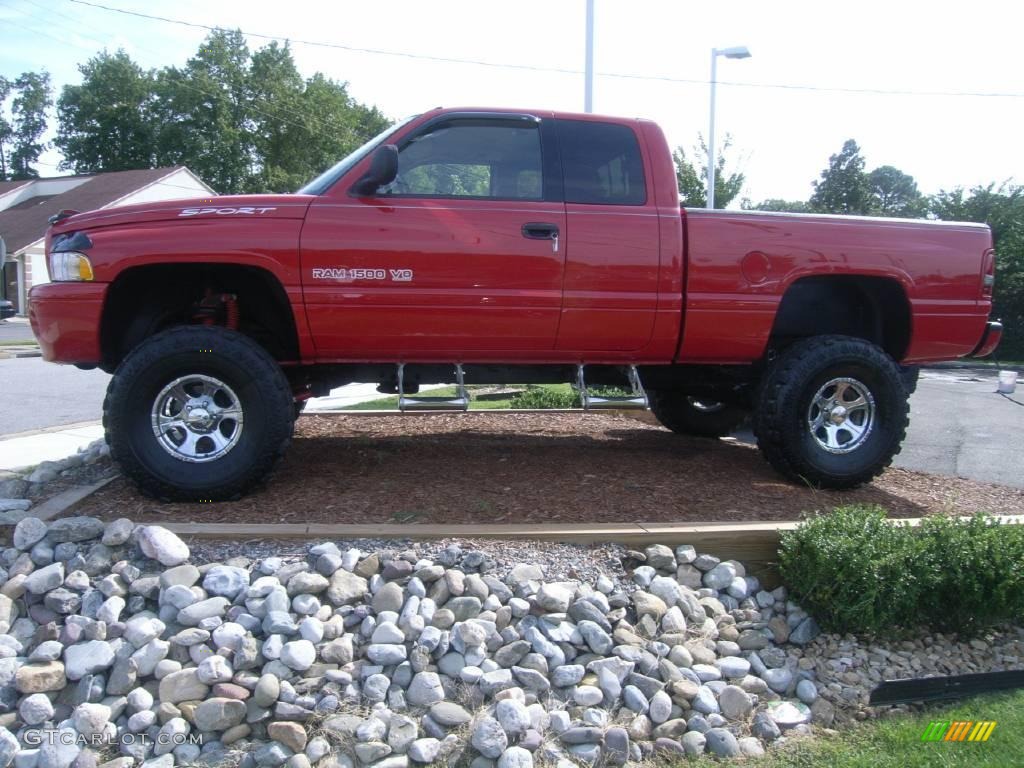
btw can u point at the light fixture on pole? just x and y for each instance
(588, 69)
(736, 52)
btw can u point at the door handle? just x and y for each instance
(542, 231)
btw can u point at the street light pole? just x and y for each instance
(737, 52)
(588, 70)
(709, 194)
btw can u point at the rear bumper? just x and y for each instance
(989, 339)
(65, 319)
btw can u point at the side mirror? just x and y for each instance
(383, 170)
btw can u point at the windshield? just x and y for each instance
(325, 180)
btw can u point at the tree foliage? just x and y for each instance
(692, 178)
(1002, 208)
(244, 121)
(21, 132)
(106, 122)
(843, 187)
(895, 193)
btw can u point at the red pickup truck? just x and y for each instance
(498, 246)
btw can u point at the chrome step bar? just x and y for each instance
(458, 403)
(637, 400)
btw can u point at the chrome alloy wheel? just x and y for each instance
(841, 415)
(197, 418)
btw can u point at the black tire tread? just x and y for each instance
(243, 350)
(793, 366)
(674, 412)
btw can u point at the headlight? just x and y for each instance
(70, 266)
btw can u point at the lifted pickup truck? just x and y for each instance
(496, 246)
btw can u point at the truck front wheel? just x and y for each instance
(198, 414)
(832, 412)
(688, 415)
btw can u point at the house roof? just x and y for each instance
(25, 223)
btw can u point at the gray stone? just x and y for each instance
(160, 544)
(28, 532)
(513, 716)
(693, 743)
(806, 691)
(425, 689)
(87, 658)
(515, 757)
(35, 709)
(488, 737)
(73, 529)
(225, 581)
(298, 655)
(219, 714)
(424, 750)
(117, 532)
(41, 581)
(735, 703)
(805, 631)
(346, 587)
(722, 743)
(661, 706)
(449, 714)
(183, 685)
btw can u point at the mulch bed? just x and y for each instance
(535, 468)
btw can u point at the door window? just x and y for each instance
(602, 164)
(471, 159)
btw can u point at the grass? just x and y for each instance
(895, 742)
(18, 342)
(489, 402)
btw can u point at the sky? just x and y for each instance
(782, 137)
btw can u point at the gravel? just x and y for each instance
(384, 652)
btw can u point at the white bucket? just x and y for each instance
(1007, 382)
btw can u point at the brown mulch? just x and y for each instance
(535, 468)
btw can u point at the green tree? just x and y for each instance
(205, 113)
(692, 178)
(844, 186)
(6, 129)
(777, 204)
(21, 134)
(895, 193)
(106, 122)
(1002, 208)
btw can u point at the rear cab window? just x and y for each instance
(601, 163)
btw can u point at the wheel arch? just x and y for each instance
(868, 307)
(146, 299)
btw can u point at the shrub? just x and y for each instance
(539, 396)
(856, 571)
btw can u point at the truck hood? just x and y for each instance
(190, 209)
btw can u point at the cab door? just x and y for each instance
(610, 297)
(461, 257)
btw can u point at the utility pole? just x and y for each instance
(588, 70)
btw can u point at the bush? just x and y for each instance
(856, 571)
(540, 396)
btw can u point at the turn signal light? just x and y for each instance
(70, 266)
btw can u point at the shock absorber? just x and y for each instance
(231, 310)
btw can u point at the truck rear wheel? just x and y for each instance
(832, 412)
(688, 415)
(198, 414)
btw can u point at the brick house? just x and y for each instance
(26, 205)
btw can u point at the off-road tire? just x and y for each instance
(785, 396)
(232, 358)
(677, 411)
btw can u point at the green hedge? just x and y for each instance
(856, 571)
